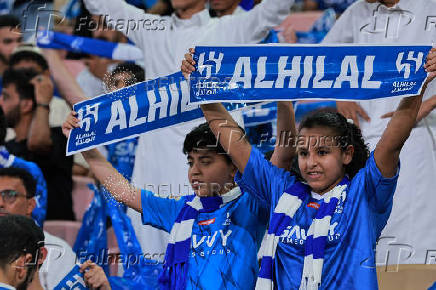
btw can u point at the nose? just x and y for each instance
(312, 160)
(195, 170)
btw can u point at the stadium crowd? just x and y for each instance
(161, 182)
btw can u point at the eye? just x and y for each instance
(190, 163)
(302, 153)
(323, 152)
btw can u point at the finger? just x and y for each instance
(192, 50)
(430, 60)
(362, 113)
(431, 68)
(86, 265)
(188, 57)
(355, 119)
(387, 115)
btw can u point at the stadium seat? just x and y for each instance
(406, 277)
(66, 230)
(82, 195)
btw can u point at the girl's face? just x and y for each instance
(320, 158)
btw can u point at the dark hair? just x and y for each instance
(22, 174)
(202, 137)
(9, 20)
(21, 79)
(134, 69)
(29, 56)
(348, 133)
(3, 127)
(19, 235)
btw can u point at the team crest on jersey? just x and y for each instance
(207, 222)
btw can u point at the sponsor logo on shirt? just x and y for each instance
(212, 244)
(206, 222)
(297, 236)
(313, 205)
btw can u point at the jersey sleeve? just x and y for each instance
(379, 192)
(159, 212)
(262, 179)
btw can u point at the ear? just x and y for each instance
(31, 204)
(42, 255)
(20, 266)
(26, 106)
(347, 155)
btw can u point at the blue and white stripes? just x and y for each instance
(284, 212)
(179, 244)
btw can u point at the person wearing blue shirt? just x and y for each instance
(324, 224)
(215, 234)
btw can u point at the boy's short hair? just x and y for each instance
(23, 175)
(202, 137)
(19, 235)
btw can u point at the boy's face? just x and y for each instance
(210, 173)
(20, 204)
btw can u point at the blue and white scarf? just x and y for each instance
(175, 269)
(287, 206)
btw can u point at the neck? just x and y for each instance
(228, 11)
(188, 12)
(324, 191)
(22, 128)
(389, 5)
(4, 279)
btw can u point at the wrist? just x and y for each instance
(43, 105)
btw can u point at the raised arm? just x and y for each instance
(228, 133)
(136, 24)
(64, 80)
(286, 132)
(387, 152)
(250, 27)
(109, 177)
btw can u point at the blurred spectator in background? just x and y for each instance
(17, 188)
(225, 7)
(10, 38)
(20, 250)
(25, 101)
(30, 57)
(91, 79)
(338, 5)
(9, 160)
(398, 22)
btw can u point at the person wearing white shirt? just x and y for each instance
(163, 48)
(18, 190)
(410, 233)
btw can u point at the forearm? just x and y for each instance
(387, 152)
(284, 150)
(39, 137)
(112, 180)
(64, 80)
(228, 133)
(254, 26)
(118, 11)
